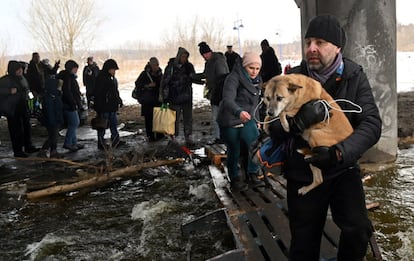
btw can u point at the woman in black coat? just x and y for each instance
(71, 98)
(147, 86)
(107, 102)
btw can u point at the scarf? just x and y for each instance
(323, 76)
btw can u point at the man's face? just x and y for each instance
(207, 56)
(319, 53)
(36, 58)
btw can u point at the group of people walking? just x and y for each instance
(56, 97)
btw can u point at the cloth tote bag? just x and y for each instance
(164, 120)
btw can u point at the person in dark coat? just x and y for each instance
(36, 74)
(231, 57)
(18, 119)
(148, 88)
(215, 72)
(342, 190)
(107, 102)
(237, 117)
(90, 72)
(177, 90)
(52, 107)
(71, 98)
(270, 63)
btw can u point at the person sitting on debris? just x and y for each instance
(236, 117)
(107, 102)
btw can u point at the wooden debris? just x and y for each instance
(99, 180)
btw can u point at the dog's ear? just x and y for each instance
(293, 87)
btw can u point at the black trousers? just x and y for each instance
(51, 142)
(307, 214)
(20, 131)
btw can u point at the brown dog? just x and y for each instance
(284, 96)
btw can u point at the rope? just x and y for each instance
(327, 106)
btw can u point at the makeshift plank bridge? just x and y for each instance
(258, 219)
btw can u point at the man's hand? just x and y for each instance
(324, 157)
(309, 114)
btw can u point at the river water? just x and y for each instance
(140, 218)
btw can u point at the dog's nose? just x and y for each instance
(270, 113)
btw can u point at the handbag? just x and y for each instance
(268, 154)
(164, 120)
(99, 123)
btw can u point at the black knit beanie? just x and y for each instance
(326, 27)
(204, 48)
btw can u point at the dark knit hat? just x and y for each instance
(70, 64)
(204, 48)
(13, 66)
(110, 64)
(326, 27)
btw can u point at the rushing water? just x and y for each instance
(394, 219)
(140, 219)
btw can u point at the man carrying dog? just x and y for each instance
(342, 189)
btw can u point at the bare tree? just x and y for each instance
(63, 26)
(3, 57)
(189, 34)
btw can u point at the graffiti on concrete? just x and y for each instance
(382, 87)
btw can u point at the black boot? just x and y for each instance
(237, 184)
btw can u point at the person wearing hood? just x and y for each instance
(107, 102)
(342, 190)
(90, 72)
(71, 98)
(237, 118)
(147, 86)
(215, 72)
(15, 88)
(176, 89)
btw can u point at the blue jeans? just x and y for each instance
(113, 124)
(233, 137)
(72, 119)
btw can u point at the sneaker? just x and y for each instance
(80, 146)
(71, 148)
(55, 154)
(31, 149)
(255, 181)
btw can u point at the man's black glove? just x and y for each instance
(324, 157)
(309, 114)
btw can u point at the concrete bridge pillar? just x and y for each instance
(370, 27)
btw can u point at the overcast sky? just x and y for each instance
(130, 20)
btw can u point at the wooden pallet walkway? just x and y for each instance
(259, 222)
